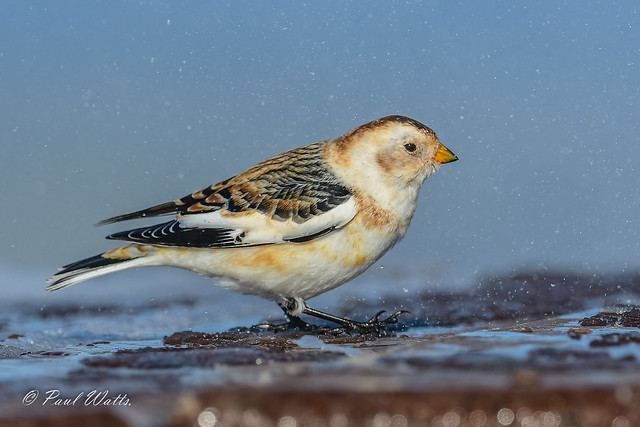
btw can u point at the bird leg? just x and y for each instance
(291, 310)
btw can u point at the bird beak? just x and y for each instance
(444, 155)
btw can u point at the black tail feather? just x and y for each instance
(92, 262)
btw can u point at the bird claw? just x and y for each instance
(373, 325)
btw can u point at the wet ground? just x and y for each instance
(526, 349)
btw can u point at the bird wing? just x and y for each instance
(293, 197)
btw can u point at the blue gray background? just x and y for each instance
(112, 106)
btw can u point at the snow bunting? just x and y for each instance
(292, 227)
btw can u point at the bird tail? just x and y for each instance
(99, 265)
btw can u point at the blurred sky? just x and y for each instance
(112, 106)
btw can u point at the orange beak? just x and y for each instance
(444, 155)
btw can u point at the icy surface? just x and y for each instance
(175, 338)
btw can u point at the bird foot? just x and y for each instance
(373, 325)
(294, 306)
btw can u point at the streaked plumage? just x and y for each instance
(291, 227)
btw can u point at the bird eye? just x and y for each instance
(410, 147)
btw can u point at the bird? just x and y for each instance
(291, 227)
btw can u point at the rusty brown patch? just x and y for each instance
(198, 207)
(367, 127)
(214, 198)
(384, 122)
(336, 153)
(371, 215)
(385, 162)
(127, 252)
(359, 258)
(265, 257)
(355, 257)
(199, 194)
(339, 147)
(227, 214)
(118, 253)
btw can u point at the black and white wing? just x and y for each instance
(292, 197)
